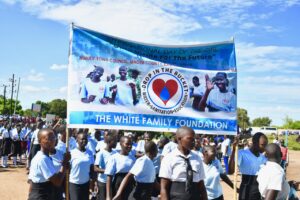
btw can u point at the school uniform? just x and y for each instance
(140, 146)
(16, 145)
(79, 179)
(62, 146)
(91, 145)
(35, 144)
(144, 174)
(118, 166)
(169, 147)
(101, 160)
(41, 170)
(212, 180)
(23, 136)
(100, 145)
(249, 165)
(272, 177)
(57, 158)
(184, 172)
(226, 154)
(6, 146)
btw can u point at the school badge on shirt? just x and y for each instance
(165, 90)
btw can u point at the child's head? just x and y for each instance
(162, 142)
(150, 149)
(47, 139)
(123, 71)
(259, 142)
(273, 153)
(185, 137)
(209, 153)
(126, 144)
(147, 136)
(82, 140)
(111, 140)
(197, 141)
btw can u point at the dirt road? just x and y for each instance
(13, 181)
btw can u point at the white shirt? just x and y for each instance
(224, 144)
(169, 148)
(57, 159)
(140, 146)
(272, 177)
(41, 168)
(35, 138)
(15, 135)
(89, 88)
(102, 158)
(248, 163)
(100, 145)
(80, 166)
(143, 170)
(119, 164)
(173, 167)
(212, 179)
(5, 133)
(199, 90)
(62, 146)
(221, 101)
(124, 93)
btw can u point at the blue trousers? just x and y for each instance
(225, 158)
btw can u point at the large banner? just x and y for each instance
(115, 83)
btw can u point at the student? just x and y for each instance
(93, 89)
(42, 173)
(35, 145)
(213, 172)
(285, 155)
(271, 177)
(140, 149)
(220, 98)
(101, 161)
(16, 144)
(61, 143)
(125, 90)
(82, 174)
(226, 151)
(170, 146)
(102, 143)
(6, 144)
(143, 171)
(117, 168)
(249, 163)
(182, 175)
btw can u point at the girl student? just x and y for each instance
(182, 175)
(143, 171)
(42, 174)
(117, 168)
(249, 163)
(102, 158)
(213, 172)
(82, 175)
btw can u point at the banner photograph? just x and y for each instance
(122, 84)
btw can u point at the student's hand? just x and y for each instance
(132, 85)
(104, 100)
(67, 158)
(209, 84)
(92, 98)
(235, 141)
(92, 186)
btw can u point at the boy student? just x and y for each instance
(101, 161)
(220, 98)
(116, 169)
(42, 171)
(140, 148)
(93, 89)
(16, 144)
(271, 177)
(143, 171)
(125, 90)
(213, 172)
(249, 163)
(182, 175)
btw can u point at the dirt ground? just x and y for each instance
(13, 181)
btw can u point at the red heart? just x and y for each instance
(165, 90)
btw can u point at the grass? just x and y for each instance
(292, 143)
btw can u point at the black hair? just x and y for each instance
(257, 136)
(150, 147)
(196, 78)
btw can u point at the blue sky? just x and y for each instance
(35, 37)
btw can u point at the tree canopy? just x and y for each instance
(261, 121)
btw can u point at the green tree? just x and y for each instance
(6, 110)
(45, 107)
(287, 122)
(243, 119)
(29, 113)
(58, 107)
(261, 121)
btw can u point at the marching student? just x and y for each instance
(35, 145)
(101, 161)
(16, 144)
(143, 171)
(271, 177)
(140, 149)
(170, 146)
(82, 175)
(42, 173)
(213, 172)
(6, 144)
(61, 143)
(249, 163)
(182, 175)
(117, 168)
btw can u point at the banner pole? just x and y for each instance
(68, 170)
(235, 173)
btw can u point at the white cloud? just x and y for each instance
(63, 89)
(58, 67)
(35, 76)
(29, 89)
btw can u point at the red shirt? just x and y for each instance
(284, 152)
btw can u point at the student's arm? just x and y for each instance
(202, 190)
(225, 178)
(134, 96)
(93, 178)
(98, 169)
(232, 161)
(164, 188)
(58, 178)
(271, 194)
(209, 87)
(108, 187)
(123, 185)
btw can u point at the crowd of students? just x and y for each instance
(119, 167)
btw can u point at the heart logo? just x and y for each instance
(165, 90)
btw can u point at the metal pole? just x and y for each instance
(67, 171)
(4, 98)
(235, 172)
(12, 95)
(17, 96)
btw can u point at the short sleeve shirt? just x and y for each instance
(248, 163)
(41, 168)
(169, 148)
(143, 170)
(119, 164)
(102, 158)
(124, 92)
(221, 101)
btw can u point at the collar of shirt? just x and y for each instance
(178, 153)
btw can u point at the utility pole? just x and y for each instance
(12, 93)
(4, 98)
(17, 96)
